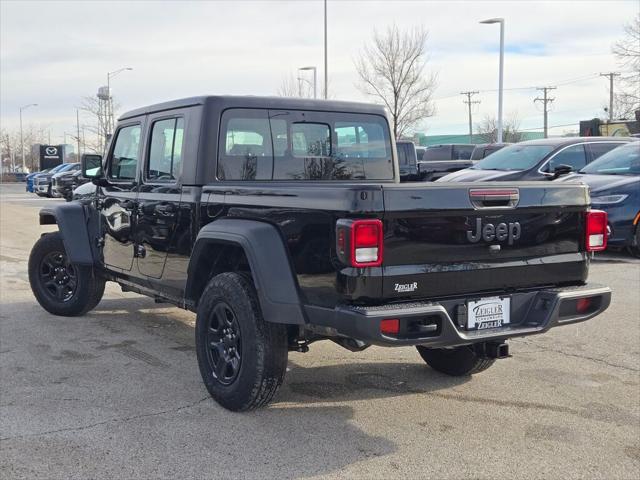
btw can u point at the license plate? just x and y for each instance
(491, 312)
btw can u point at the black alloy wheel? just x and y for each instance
(224, 354)
(61, 286)
(58, 276)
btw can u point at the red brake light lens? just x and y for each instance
(366, 243)
(596, 231)
(359, 242)
(366, 234)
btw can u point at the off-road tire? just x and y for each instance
(88, 290)
(459, 361)
(262, 345)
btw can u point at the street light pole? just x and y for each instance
(326, 61)
(315, 79)
(110, 122)
(501, 74)
(24, 107)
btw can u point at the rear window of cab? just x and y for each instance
(258, 144)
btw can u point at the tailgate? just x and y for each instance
(446, 239)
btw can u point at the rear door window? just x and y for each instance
(574, 156)
(598, 149)
(165, 152)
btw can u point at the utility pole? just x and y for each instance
(78, 132)
(470, 102)
(611, 75)
(545, 101)
(326, 61)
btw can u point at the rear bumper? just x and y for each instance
(441, 324)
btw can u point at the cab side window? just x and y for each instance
(126, 152)
(165, 151)
(245, 147)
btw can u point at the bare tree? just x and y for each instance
(392, 68)
(627, 53)
(96, 123)
(291, 86)
(488, 129)
(10, 154)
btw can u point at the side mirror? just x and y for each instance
(91, 166)
(561, 169)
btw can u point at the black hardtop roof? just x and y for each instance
(274, 103)
(563, 141)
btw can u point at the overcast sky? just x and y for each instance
(53, 53)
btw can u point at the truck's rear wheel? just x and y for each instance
(242, 358)
(61, 287)
(459, 361)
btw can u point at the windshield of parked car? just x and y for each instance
(514, 157)
(55, 169)
(66, 167)
(623, 160)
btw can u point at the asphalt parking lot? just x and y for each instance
(117, 394)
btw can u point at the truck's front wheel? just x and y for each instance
(242, 358)
(61, 287)
(459, 361)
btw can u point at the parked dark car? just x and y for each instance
(543, 159)
(42, 183)
(407, 161)
(31, 177)
(281, 222)
(66, 182)
(614, 181)
(483, 150)
(440, 160)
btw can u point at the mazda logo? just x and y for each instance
(51, 151)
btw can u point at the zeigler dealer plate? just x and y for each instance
(491, 312)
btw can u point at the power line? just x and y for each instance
(557, 84)
(470, 102)
(545, 101)
(550, 126)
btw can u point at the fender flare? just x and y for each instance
(73, 225)
(264, 247)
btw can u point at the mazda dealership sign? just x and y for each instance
(51, 156)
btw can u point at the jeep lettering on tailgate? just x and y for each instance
(500, 232)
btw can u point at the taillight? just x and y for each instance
(359, 242)
(596, 231)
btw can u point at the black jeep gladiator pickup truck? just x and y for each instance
(282, 222)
